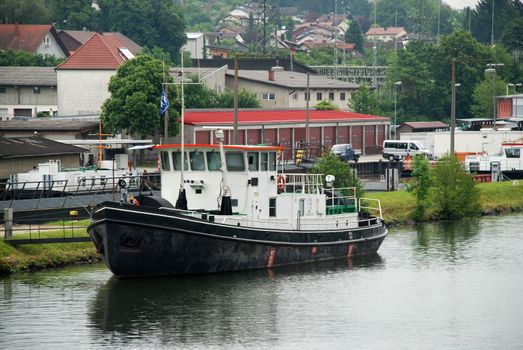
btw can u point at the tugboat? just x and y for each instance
(234, 210)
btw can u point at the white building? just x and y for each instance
(27, 91)
(83, 78)
(196, 43)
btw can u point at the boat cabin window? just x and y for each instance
(234, 161)
(214, 162)
(177, 160)
(512, 152)
(272, 161)
(197, 159)
(272, 207)
(254, 162)
(164, 156)
(264, 161)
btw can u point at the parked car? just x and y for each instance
(397, 149)
(345, 152)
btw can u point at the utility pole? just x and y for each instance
(453, 107)
(492, 29)
(307, 99)
(235, 93)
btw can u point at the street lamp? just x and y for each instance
(514, 86)
(491, 69)
(396, 84)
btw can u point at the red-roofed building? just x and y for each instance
(34, 38)
(287, 128)
(83, 77)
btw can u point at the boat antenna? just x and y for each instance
(181, 202)
(225, 191)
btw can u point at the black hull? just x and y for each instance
(141, 241)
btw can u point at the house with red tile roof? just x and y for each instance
(83, 78)
(34, 38)
(73, 39)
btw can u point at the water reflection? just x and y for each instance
(220, 307)
(448, 241)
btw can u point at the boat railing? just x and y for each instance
(341, 200)
(262, 223)
(366, 205)
(301, 183)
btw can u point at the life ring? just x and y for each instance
(281, 182)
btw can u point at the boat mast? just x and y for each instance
(181, 202)
(225, 191)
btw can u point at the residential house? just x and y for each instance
(73, 39)
(34, 38)
(277, 88)
(196, 45)
(84, 77)
(27, 91)
(385, 34)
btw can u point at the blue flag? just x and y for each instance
(164, 103)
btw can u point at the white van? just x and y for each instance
(397, 149)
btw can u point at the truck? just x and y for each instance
(345, 152)
(509, 161)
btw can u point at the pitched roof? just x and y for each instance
(73, 39)
(28, 76)
(26, 37)
(385, 31)
(426, 125)
(293, 80)
(15, 147)
(99, 52)
(272, 116)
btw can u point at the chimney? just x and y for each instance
(271, 75)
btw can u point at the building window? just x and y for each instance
(342, 96)
(319, 96)
(331, 96)
(267, 96)
(307, 96)
(295, 96)
(3, 90)
(36, 90)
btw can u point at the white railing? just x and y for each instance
(302, 183)
(376, 209)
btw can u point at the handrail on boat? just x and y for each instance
(376, 209)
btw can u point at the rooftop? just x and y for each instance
(14, 147)
(272, 116)
(48, 124)
(25, 37)
(385, 31)
(425, 125)
(28, 76)
(80, 37)
(293, 80)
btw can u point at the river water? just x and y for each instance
(436, 286)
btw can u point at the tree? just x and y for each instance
(246, 99)
(454, 193)
(134, 105)
(483, 97)
(23, 58)
(326, 106)
(513, 34)
(23, 12)
(330, 164)
(481, 18)
(74, 14)
(355, 36)
(149, 23)
(365, 101)
(420, 184)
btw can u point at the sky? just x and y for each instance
(459, 4)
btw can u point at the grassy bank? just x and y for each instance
(497, 197)
(39, 256)
(398, 208)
